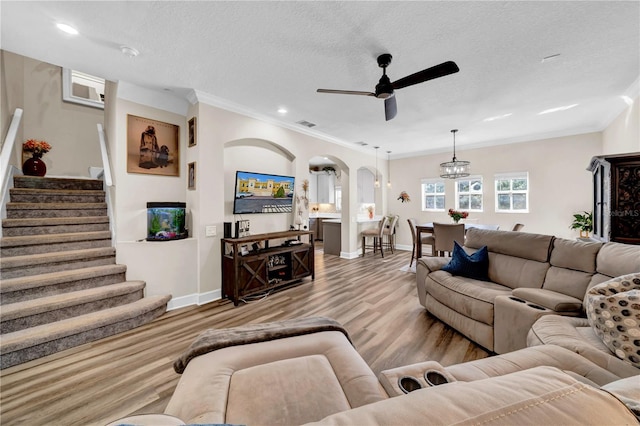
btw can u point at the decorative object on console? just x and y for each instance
(612, 309)
(457, 215)
(404, 197)
(455, 168)
(475, 266)
(584, 222)
(34, 166)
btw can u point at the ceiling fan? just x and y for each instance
(385, 88)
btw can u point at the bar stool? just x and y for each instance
(376, 234)
(390, 233)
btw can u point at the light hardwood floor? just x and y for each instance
(132, 372)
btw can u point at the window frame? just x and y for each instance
(511, 177)
(458, 193)
(424, 194)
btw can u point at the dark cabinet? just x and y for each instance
(616, 198)
(251, 266)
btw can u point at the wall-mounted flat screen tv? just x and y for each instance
(263, 193)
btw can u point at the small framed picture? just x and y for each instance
(192, 132)
(191, 183)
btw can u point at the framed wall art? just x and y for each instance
(192, 132)
(152, 147)
(191, 180)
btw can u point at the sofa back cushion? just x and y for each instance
(615, 259)
(573, 264)
(515, 272)
(516, 259)
(519, 244)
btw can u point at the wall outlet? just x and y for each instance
(210, 230)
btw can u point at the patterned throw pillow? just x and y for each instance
(474, 266)
(613, 310)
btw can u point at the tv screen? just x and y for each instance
(263, 193)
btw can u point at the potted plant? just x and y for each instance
(584, 222)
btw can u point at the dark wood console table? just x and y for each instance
(265, 266)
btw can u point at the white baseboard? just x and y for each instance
(349, 256)
(193, 299)
(403, 247)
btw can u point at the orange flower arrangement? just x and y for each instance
(457, 215)
(36, 146)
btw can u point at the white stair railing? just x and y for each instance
(6, 171)
(106, 164)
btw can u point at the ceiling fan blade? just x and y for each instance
(437, 71)
(345, 92)
(390, 108)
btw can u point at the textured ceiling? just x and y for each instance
(266, 55)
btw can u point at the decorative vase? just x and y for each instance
(370, 215)
(584, 234)
(456, 219)
(34, 166)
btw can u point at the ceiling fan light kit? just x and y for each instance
(385, 88)
(455, 168)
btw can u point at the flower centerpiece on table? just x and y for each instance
(36, 147)
(404, 197)
(457, 215)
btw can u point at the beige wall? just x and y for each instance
(559, 183)
(36, 87)
(623, 134)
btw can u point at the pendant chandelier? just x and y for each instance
(388, 169)
(455, 169)
(377, 182)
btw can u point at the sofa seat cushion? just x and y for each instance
(289, 391)
(613, 309)
(576, 335)
(471, 298)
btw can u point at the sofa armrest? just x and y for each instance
(433, 263)
(555, 301)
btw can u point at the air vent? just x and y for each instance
(306, 123)
(362, 143)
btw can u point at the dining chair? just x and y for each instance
(445, 234)
(517, 227)
(376, 234)
(425, 239)
(389, 233)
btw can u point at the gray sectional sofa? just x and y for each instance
(531, 275)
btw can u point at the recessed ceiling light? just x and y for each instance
(129, 51)
(67, 29)
(498, 117)
(562, 108)
(282, 110)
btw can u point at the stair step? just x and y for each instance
(34, 264)
(33, 210)
(56, 183)
(44, 310)
(54, 225)
(35, 244)
(35, 195)
(20, 289)
(35, 342)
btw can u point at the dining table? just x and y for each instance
(428, 229)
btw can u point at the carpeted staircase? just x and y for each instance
(60, 286)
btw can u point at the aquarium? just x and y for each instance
(166, 221)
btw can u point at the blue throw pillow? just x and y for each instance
(475, 266)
